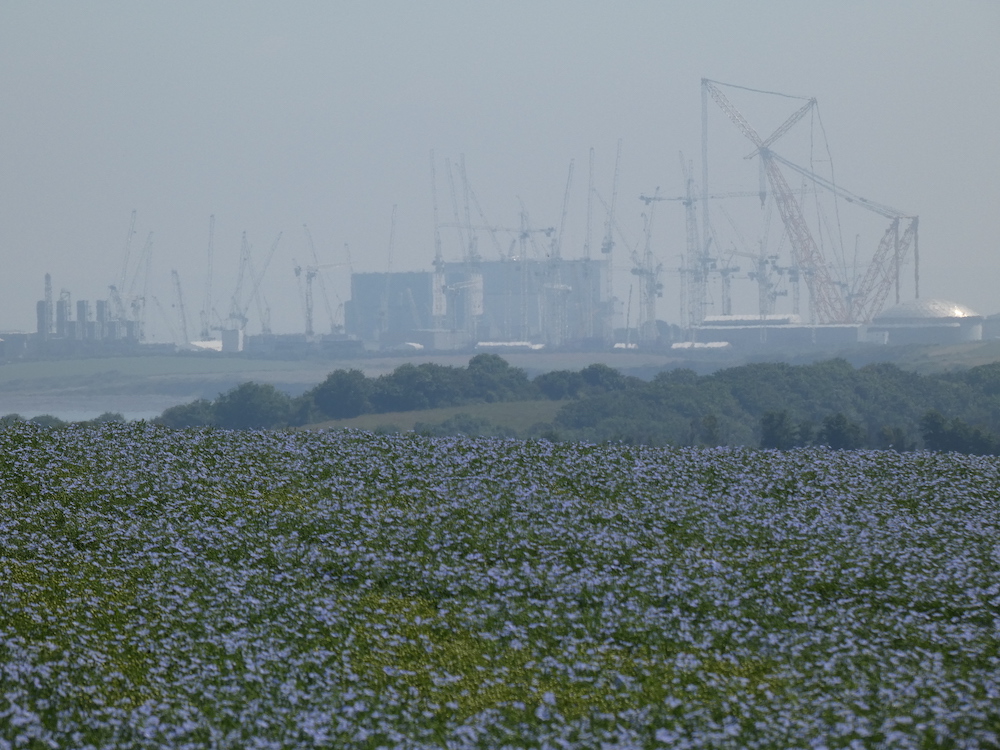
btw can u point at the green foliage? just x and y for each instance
(252, 406)
(773, 405)
(956, 435)
(200, 413)
(344, 393)
(47, 420)
(559, 384)
(839, 433)
(777, 430)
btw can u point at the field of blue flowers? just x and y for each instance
(197, 588)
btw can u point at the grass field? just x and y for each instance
(168, 589)
(515, 415)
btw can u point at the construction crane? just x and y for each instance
(129, 302)
(472, 252)
(383, 312)
(832, 300)
(648, 270)
(868, 297)
(238, 306)
(206, 306)
(178, 292)
(454, 208)
(826, 295)
(608, 244)
(557, 242)
(263, 309)
(317, 273)
(47, 316)
(556, 320)
(439, 300)
(128, 248)
(306, 293)
(166, 319)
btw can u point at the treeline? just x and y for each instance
(53, 422)
(782, 406)
(349, 393)
(768, 405)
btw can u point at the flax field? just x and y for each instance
(203, 588)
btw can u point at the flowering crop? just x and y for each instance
(274, 589)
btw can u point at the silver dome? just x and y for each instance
(925, 309)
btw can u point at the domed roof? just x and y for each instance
(925, 309)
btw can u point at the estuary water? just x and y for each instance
(77, 408)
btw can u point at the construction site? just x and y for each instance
(773, 251)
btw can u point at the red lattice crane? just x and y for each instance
(827, 295)
(833, 301)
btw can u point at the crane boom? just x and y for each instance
(206, 306)
(322, 284)
(558, 244)
(826, 295)
(128, 248)
(180, 304)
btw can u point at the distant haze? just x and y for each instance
(275, 115)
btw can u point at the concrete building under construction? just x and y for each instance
(557, 303)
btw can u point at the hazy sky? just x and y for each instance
(275, 115)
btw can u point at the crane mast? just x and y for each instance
(648, 271)
(831, 300)
(607, 246)
(826, 296)
(316, 273)
(439, 300)
(206, 307)
(180, 305)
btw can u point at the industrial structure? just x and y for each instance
(557, 303)
(838, 292)
(516, 284)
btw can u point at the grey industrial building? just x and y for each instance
(559, 303)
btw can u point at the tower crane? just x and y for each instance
(439, 300)
(206, 306)
(166, 319)
(306, 293)
(557, 290)
(316, 271)
(607, 246)
(128, 247)
(648, 270)
(180, 306)
(557, 242)
(238, 307)
(383, 313)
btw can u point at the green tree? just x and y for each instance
(559, 384)
(344, 394)
(252, 406)
(600, 378)
(492, 379)
(839, 433)
(777, 430)
(941, 435)
(200, 413)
